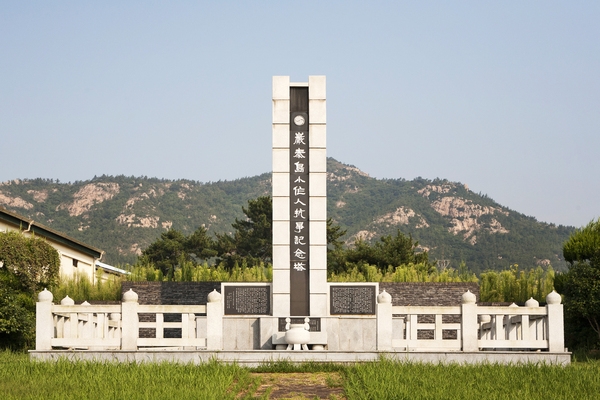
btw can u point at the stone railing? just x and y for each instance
(116, 327)
(471, 328)
(464, 328)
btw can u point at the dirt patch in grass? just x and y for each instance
(314, 385)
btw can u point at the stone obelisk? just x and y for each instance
(299, 198)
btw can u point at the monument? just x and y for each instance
(252, 322)
(299, 198)
(336, 316)
(300, 287)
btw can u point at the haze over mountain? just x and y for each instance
(123, 215)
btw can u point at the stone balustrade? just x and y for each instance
(464, 328)
(471, 328)
(116, 327)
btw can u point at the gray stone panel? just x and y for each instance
(357, 334)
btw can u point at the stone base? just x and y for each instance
(258, 357)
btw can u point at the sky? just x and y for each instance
(501, 96)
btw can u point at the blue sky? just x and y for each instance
(502, 96)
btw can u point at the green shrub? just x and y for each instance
(80, 289)
(27, 264)
(187, 271)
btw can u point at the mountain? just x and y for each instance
(123, 215)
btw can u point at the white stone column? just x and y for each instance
(130, 321)
(44, 323)
(469, 322)
(384, 322)
(214, 321)
(318, 194)
(556, 328)
(281, 200)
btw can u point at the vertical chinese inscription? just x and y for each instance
(299, 202)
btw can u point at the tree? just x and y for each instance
(17, 317)
(173, 248)
(253, 237)
(167, 251)
(32, 261)
(581, 284)
(200, 245)
(388, 251)
(584, 244)
(336, 255)
(27, 265)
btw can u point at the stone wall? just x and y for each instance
(172, 293)
(403, 293)
(428, 293)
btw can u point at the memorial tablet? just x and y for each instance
(315, 323)
(247, 300)
(352, 300)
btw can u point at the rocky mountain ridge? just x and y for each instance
(123, 215)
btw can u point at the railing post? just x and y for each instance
(129, 321)
(469, 322)
(214, 321)
(87, 326)
(44, 324)
(556, 329)
(384, 321)
(70, 321)
(528, 328)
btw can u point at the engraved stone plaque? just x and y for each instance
(243, 300)
(352, 300)
(315, 323)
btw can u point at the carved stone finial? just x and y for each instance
(469, 298)
(214, 296)
(45, 296)
(553, 298)
(384, 297)
(67, 301)
(532, 303)
(130, 296)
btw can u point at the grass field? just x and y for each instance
(21, 378)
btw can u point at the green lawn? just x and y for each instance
(390, 380)
(21, 378)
